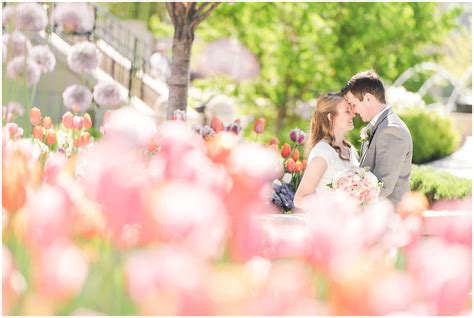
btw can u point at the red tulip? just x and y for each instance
(259, 125)
(76, 142)
(285, 150)
(35, 116)
(273, 141)
(296, 154)
(87, 121)
(47, 122)
(291, 165)
(68, 120)
(217, 124)
(51, 137)
(298, 166)
(85, 139)
(38, 132)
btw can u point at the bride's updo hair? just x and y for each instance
(322, 123)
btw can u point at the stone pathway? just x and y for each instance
(459, 163)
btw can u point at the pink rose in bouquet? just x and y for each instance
(359, 183)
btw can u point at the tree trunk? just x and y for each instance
(185, 16)
(178, 86)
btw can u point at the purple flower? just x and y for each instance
(84, 57)
(43, 56)
(74, 17)
(18, 42)
(15, 108)
(294, 134)
(16, 70)
(30, 17)
(302, 138)
(204, 131)
(297, 135)
(234, 127)
(108, 94)
(77, 98)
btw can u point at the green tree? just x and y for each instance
(306, 49)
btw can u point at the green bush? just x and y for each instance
(434, 135)
(437, 185)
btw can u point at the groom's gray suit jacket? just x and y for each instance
(388, 154)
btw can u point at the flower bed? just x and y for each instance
(158, 220)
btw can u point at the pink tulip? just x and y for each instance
(87, 121)
(285, 289)
(38, 132)
(131, 126)
(78, 122)
(114, 177)
(48, 217)
(13, 283)
(172, 274)
(84, 139)
(176, 139)
(284, 238)
(217, 124)
(47, 122)
(259, 125)
(35, 116)
(443, 274)
(14, 130)
(51, 138)
(199, 222)
(54, 166)
(196, 168)
(333, 230)
(392, 292)
(61, 272)
(68, 120)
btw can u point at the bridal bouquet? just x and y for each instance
(360, 183)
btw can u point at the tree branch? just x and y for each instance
(192, 11)
(205, 14)
(170, 8)
(202, 7)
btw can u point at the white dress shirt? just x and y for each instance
(374, 120)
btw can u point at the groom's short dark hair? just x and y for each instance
(365, 82)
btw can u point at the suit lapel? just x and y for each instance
(372, 134)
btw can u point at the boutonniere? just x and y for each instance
(364, 134)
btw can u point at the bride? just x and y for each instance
(329, 151)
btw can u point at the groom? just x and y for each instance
(387, 146)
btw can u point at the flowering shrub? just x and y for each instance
(160, 221)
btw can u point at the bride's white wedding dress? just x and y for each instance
(334, 163)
